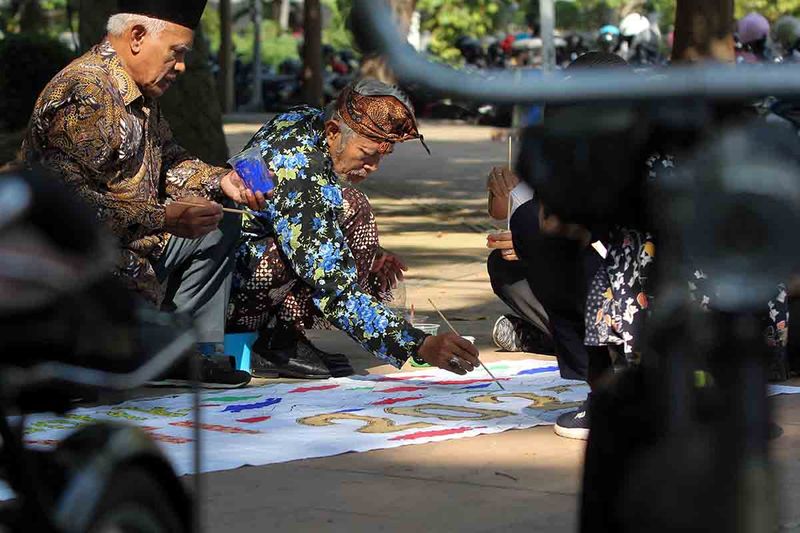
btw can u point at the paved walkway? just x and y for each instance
(431, 210)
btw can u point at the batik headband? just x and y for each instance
(379, 112)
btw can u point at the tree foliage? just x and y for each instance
(278, 45)
(590, 15)
(27, 62)
(33, 16)
(447, 20)
(772, 9)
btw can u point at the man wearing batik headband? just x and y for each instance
(313, 256)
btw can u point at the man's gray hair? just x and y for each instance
(122, 22)
(347, 132)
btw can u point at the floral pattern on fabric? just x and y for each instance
(302, 227)
(621, 295)
(266, 287)
(775, 317)
(94, 128)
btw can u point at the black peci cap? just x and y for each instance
(183, 12)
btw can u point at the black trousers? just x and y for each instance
(547, 286)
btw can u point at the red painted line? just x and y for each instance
(49, 443)
(468, 381)
(401, 389)
(169, 439)
(310, 389)
(210, 405)
(390, 401)
(254, 419)
(435, 433)
(215, 427)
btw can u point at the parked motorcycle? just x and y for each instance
(69, 331)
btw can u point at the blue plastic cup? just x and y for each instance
(253, 169)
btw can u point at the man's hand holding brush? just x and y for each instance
(451, 352)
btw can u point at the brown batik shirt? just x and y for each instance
(94, 128)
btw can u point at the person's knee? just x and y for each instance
(494, 265)
(502, 272)
(357, 204)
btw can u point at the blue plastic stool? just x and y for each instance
(238, 345)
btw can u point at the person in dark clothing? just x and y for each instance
(542, 277)
(557, 265)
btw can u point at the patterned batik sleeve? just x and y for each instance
(307, 200)
(82, 139)
(186, 174)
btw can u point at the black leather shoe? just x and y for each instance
(290, 362)
(337, 363)
(215, 372)
(261, 368)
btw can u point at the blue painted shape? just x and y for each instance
(238, 345)
(250, 406)
(542, 370)
(350, 410)
(481, 386)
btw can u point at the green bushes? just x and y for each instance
(27, 63)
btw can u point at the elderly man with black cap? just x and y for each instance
(313, 255)
(98, 126)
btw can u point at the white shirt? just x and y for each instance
(520, 194)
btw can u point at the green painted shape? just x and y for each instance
(122, 413)
(68, 422)
(233, 398)
(81, 418)
(160, 411)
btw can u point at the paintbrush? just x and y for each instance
(225, 209)
(449, 325)
(510, 163)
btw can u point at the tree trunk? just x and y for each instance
(31, 17)
(703, 30)
(191, 106)
(312, 53)
(283, 15)
(92, 17)
(226, 82)
(256, 97)
(375, 66)
(193, 110)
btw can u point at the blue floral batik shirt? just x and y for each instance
(303, 217)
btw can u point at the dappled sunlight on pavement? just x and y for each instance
(432, 211)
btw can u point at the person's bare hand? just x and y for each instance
(501, 181)
(234, 188)
(441, 349)
(192, 221)
(504, 242)
(389, 269)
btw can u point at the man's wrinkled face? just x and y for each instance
(157, 60)
(355, 158)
